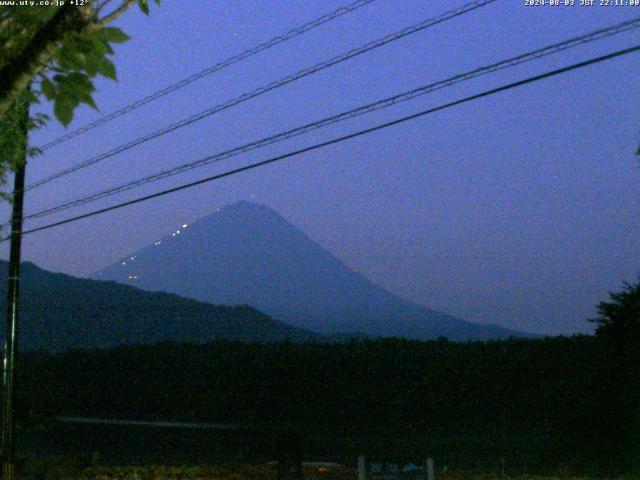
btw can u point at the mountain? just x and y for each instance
(60, 312)
(248, 254)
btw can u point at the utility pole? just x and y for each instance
(13, 287)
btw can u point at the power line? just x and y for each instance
(269, 87)
(340, 139)
(210, 70)
(378, 105)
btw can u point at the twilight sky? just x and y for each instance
(521, 209)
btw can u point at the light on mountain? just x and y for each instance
(124, 263)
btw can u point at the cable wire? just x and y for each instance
(340, 139)
(211, 70)
(267, 88)
(378, 105)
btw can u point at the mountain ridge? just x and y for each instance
(59, 312)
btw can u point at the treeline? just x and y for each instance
(573, 393)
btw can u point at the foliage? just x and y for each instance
(619, 330)
(52, 53)
(12, 138)
(619, 319)
(531, 400)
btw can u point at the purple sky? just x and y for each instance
(520, 209)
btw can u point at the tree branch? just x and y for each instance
(114, 15)
(16, 74)
(100, 5)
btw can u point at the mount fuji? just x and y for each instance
(247, 253)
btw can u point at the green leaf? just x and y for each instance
(91, 66)
(30, 96)
(48, 88)
(144, 6)
(99, 45)
(69, 57)
(63, 110)
(38, 121)
(76, 61)
(74, 84)
(107, 68)
(108, 48)
(113, 35)
(88, 99)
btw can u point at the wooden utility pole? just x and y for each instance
(13, 287)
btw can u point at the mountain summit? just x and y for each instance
(247, 253)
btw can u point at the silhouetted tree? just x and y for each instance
(619, 319)
(619, 330)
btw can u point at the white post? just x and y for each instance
(430, 474)
(362, 468)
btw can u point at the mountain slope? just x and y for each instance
(248, 254)
(59, 312)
